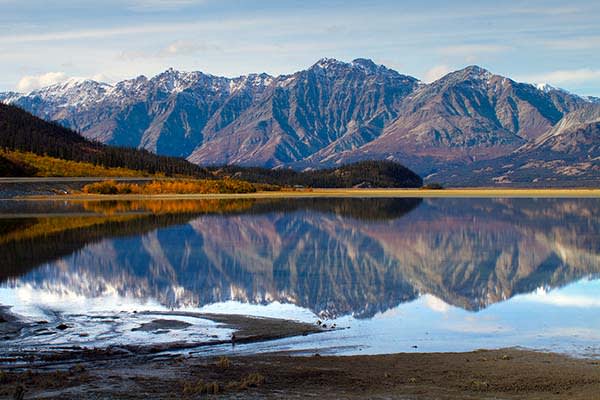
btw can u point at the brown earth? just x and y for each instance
(498, 374)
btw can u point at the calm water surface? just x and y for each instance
(399, 274)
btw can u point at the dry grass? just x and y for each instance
(200, 387)
(252, 380)
(224, 363)
(48, 226)
(168, 206)
(56, 167)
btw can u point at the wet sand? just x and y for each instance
(499, 374)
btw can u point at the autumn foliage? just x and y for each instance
(45, 166)
(178, 206)
(171, 187)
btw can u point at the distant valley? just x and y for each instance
(469, 128)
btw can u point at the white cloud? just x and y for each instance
(436, 73)
(160, 5)
(565, 76)
(176, 48)
(472, 49)
(32, 82)
(577, 43)
(103, 33)
(101, 77)
(545, 10)
(436, 304)
(186, 47)
(559, 299)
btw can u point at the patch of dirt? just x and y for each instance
(504, 374)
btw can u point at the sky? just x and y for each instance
(43, 42)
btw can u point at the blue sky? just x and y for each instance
(42, 42)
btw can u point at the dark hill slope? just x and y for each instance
(22, 131)
(382, 174)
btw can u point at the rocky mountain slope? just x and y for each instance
(331, 113)
(566, 155)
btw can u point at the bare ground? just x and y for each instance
(146, 372)
(498, 374)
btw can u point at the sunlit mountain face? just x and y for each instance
(334, 257)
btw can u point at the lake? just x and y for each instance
(390, 274)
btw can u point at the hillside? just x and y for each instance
(9, 167)
(24, 132)
(330, 114)
(381, 174)
(22, 164)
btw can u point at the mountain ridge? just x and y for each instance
(332, 113)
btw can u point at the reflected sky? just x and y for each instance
(438, 274)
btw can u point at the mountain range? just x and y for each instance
(470, 127)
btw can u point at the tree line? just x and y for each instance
(371, 173)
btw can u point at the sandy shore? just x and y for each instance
(499, 374)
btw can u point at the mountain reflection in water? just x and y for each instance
(333, 256)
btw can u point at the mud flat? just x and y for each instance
(166, 371)
(498, 374)
(15, 354)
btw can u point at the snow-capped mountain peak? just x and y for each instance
(173, 81)
(544, 87)
(330, 113)
(254, 81)
(74, 92)
(328, 63)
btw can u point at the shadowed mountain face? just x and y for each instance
(338, 257)
(330, 113)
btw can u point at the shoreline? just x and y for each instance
(341, 193)
(247, 329)
(149, 371)
(504, 373)
(69, 188)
